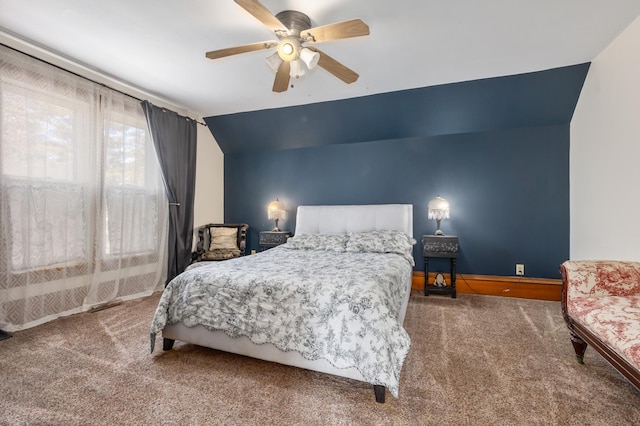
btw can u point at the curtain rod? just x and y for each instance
(87, 78)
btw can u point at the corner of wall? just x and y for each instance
(603, 155)
(209, 197)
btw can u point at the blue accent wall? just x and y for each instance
(497, 149)
(524, 100)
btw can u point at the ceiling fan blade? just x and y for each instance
(336, 68)
(281, 83)
(262, 14)
(215, 54)
(346, 29)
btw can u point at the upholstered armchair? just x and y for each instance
(220, 241)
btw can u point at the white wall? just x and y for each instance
(209, 200)
(605, 155)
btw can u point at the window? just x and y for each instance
(131, 183)
(45, 183)
(83, 213)
(51, 174)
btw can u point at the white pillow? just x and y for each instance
(324, 242)
(380, 242)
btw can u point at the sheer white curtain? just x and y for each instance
(82, 208)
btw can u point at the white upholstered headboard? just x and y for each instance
(354, 218)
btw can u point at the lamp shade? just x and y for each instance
(309, 57)
(297, 68)
(274, 61)
(276, 210)
(438, 208)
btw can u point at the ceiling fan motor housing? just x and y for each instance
(295, 21)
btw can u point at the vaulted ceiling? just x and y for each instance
(159, 46)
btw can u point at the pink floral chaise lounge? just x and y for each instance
(601, 305)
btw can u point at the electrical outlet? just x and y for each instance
(253, 252)
(519, 268)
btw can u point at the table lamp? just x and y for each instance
(276, 210)
(438, 210)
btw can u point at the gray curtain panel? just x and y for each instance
(175, 141)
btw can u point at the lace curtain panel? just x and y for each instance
(82, 207)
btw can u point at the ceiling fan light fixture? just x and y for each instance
(288, 49)
(297, 68)
(274, 61)
(309, 57)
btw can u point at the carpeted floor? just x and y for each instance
(473, 360)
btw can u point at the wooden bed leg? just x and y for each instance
(579, 345)
(167, 344)
(380, 392)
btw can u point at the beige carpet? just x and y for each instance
(474, 360)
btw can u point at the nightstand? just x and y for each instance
(269, 239)
(440, 246)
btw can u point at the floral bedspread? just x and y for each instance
(338, 306)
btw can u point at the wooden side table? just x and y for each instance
(440, 246)
(270, 239)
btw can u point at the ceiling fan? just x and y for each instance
(293, 30)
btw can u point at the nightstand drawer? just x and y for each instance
(270, 239)
(440, 246)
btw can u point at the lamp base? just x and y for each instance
(438, 232)
(276, 229)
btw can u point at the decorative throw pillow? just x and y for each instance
(223, 238)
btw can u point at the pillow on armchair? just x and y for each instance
(223, 238)
(223, 244)
(221, 241)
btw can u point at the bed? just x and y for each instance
(332, 299)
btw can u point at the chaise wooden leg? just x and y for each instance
(579, 345)
(167, 344)
(380, 392)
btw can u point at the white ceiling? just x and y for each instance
(159, 45)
